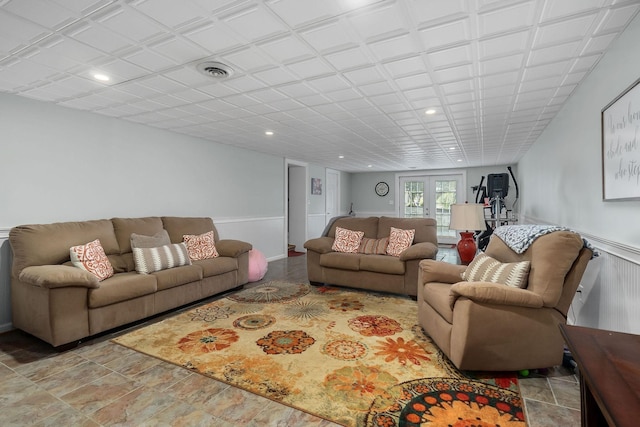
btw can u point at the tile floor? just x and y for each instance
(100, 383)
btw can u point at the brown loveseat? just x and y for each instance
(60, 304)
(372, 271)
(491, 326)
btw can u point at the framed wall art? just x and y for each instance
(316, 186)
(621, 146)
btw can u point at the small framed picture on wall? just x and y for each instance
(316, 186)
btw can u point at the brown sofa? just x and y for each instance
(490, 326)
(61, 304)
(369, 271)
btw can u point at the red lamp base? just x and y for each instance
(466, 247)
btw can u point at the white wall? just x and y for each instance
(561, 183)
(59, 164)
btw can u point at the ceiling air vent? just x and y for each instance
(216, 70)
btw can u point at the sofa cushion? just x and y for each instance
(201, 246)
(179, 226)
(341, 261)
(347, 240)
(382, 264)
(91, 257)
(426, 228)
(483, 268)
(368, 225)
(124, 227)
(148, 260)
(48, 244)
(373, 246)
(399, 240)
(215, 266)
(161, 238)
(121, 287)
(177, 276)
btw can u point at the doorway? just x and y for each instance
(431, 196)
(295, 205)
(332, 201)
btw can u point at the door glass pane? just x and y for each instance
(446, 195)
(414, 199)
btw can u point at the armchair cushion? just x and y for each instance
(484, 268)
(494, 293)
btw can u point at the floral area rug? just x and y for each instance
(354, 358)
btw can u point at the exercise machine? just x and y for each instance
(493, 196)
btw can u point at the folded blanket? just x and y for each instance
(520, 237)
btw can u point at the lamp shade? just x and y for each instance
(467, 216)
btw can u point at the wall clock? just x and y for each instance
(382, 189)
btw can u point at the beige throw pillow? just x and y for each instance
(91, 257)
(399, 240)
(161, 238)
(347, 240)
(483, 268)
(374, 246)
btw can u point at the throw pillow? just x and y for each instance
(484, 268)
(347, 240)
(91, 257)
(200, 246)
(399, 240)
(148, 260)
(373, 246)
(161, 238)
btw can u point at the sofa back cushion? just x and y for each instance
(179, 226)
(124, 227)
(551, 256)
(368, 225)
(426, 230)
(49, 244)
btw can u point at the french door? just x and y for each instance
(431, 196)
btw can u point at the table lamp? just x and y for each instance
(466, 217)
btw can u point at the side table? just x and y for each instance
(609, 364)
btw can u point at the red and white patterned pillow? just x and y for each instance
(347, 240)
(91, 257)
(399, 240)
(200, 246)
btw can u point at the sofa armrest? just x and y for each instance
(439, 271)
(232, 248)
(58, 276)
(322, 245)
(423, 250)
(494, 293)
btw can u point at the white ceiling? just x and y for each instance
(330, 78)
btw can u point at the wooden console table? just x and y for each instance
(609, 364)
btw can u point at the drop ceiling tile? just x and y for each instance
(179, 50)
(275, 76)
(548, 70)
(214, 38)
(394, 47)
(509, 18)
(377, 88)
(102, 39)
(363, 76)
(462, 72)
(247, 60)
(297, 13)
(503, 45)
(597, 44)
(41, 12)
(446, 34)
(437, 10)
(130, 23)
(378, 21)
(618, 18)
(412, 82)
(286, 49)
(330, 35)
(584, 63)
(149, 60)
(329, 83)
(348, 58)
(502, 64)
(217, 90)
(310, 68)
(449, 57)
(563, 31)
(119, 70)
(254, 23)
(296, 90)
(170, 13)
(405, 67)
(552, 53)
(553, 10)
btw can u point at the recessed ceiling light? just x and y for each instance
(101, 77)
(268, 133)
(430, 111)
(459, 160)
(452, 148)
(341, 157)
(369, 166)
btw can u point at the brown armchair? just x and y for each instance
(494, 327)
